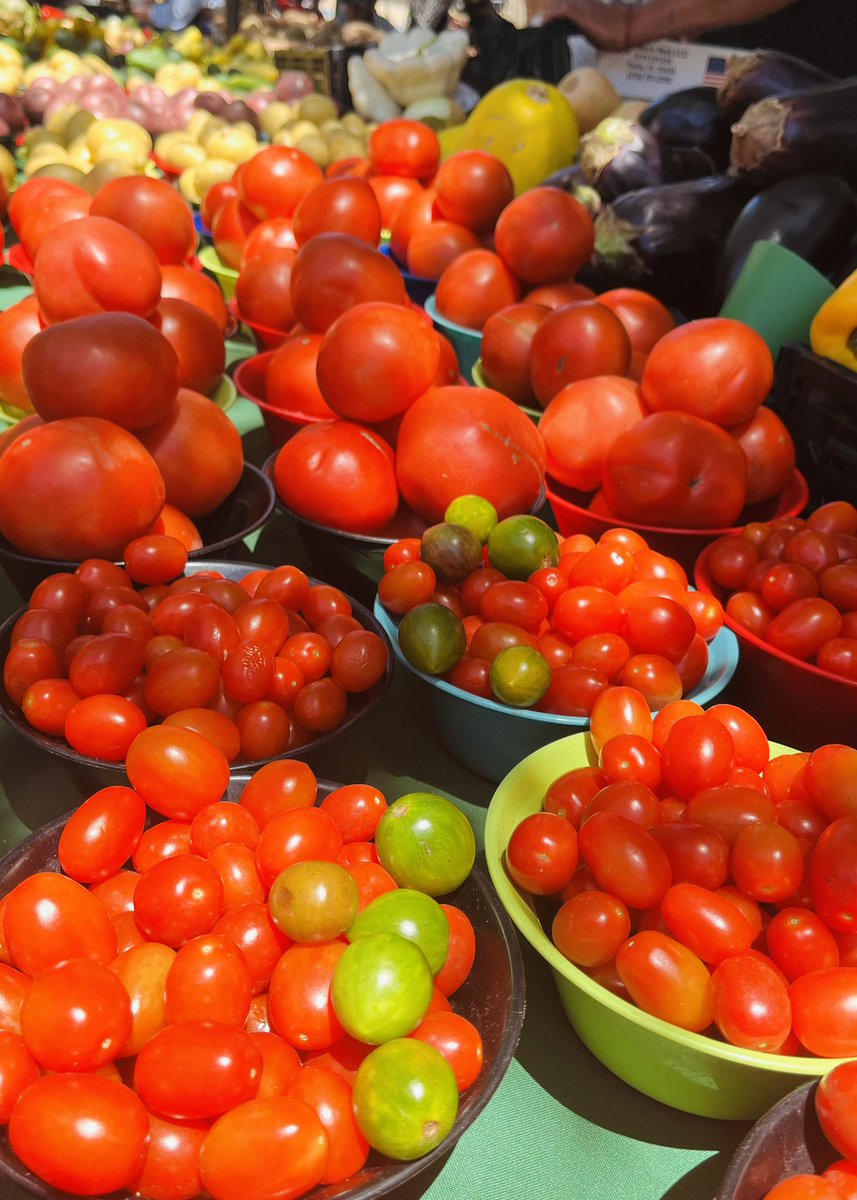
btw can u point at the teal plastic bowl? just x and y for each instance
(689, 1071)
(491, 738)
(467, 342)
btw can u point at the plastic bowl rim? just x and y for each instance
(797, 481)
(541, 943)
(212, 261)
(431, 308)
(289, 414)
(728, 644)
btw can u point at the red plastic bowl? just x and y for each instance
(19, 259)
(797, 702)
(267, 337)
(281, 423)
(684, 545)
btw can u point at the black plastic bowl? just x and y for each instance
(492, 998)
(786, 1141)
(360, 704)
(244, 511)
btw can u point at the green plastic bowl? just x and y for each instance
(688, 1071)
(227, 277)
(466, 342)
(479, 380)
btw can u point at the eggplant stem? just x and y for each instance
(753, 140)
(615, 241)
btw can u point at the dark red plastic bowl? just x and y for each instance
(267, 336)
(685, 545)
(797, 702)
(281, 423)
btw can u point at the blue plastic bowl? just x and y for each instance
(467, 342)
(491, 738)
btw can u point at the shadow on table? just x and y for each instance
(556, 1058)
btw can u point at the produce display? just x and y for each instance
(256, 668)
(575, 256)
(172, 998)
(675, 866)
(510, 612)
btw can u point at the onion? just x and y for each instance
(292, 85)
(102, 106)
(136, 112)
(259, 101)
(36, 99)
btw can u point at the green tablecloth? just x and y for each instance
(560, 1124)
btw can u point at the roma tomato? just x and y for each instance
(545, 235)
(478, 441)
(340, 475)
(625, 859)
(197, 1069)
(824, 1009)
(542, 853)
(102, 834)
(95, 265)
(601, 347)
(49, 918)
(715, 368)
(176, 771)
(666, 979)
(676, 470)
(76, 488)
(751, 1003)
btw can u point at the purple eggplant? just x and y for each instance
(752, 77)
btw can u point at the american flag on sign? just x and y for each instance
(715, 72)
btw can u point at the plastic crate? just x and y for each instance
(327, 67)
(817, 400)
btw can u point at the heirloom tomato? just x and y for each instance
(335, 271)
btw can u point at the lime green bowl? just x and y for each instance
(689, 1071)
(467, 343)
(227, 277)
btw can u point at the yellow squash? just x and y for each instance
(527, 124)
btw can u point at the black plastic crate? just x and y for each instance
(817, 400)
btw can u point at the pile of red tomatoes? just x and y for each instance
(243, 999)
(704, 877)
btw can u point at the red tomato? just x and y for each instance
(557, 295)
(714, 368)
(197, 1069)
(102, 834)
(338, 474)
(666, 979)
(18, 1069)
(215, 198)
(458, 1040)
(824, 1009)
(675, 470)
(770, 453)
(833, 874)
(171, 1167)
(751, 1003)
(299, 999)
(154, 209)
(291, 382)
(473, 188)
(230, 227)
(78, 487)
(625, 859)
(416, 212)
(507, 338)
(545, 235)
(433, 247)
(197, 341)
(329, 1095)
(95, 265)
(275, 180)
(404, 147)
(698, 753)
(835, 1102)
(263, 292)
(600, 347)
(477, 442)
(137, 367)
(18, 325)
(475, 285)
(198, 452)
(183, 283)
(40, 205)
(209, 980)
(803, 627)
(646, 320)
(339, 206)
(335, 271)
(707, 923)
(398, 355)
(799, 942)
(76, 1016)
(276, 234)
(176, 771)
(541, 855)
(581, 423)
(80, 1133)
(391, 192)
(590, 927)
(49, 918)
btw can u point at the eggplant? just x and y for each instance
(810, 130)
(573, 181)
(620, 156)
(753, 77)
(814, 215)
(665, 239)
(691, 120)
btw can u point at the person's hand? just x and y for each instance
(607, 26)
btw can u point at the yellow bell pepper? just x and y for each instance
(833, 333)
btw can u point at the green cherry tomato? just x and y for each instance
(452, 551)
(520, 545)
(432, 638)
(382, 987)
(426, 842)
(474, 513)
(405, 1098)
(412, 915)
(520, 676)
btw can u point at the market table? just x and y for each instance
(560, 1124)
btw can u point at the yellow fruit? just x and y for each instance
(274, 116)
(188, 185)
(213, 170)
(528, 125)
(104, 137)
(317, 108)
(236, 145)
(10, 56)
(8, 167)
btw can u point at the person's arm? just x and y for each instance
(621, 26)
